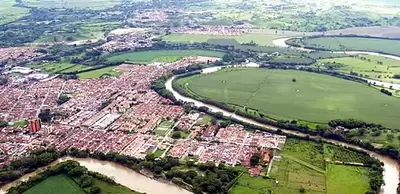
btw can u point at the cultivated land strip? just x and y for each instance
(304, 163)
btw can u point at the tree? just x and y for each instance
(94, 190)
(150, 157)
(62, 99)
(3, 81)
(294, 80)
(3, 124)
(176, 135)
(86, 181)
(45, 116)
(203, 109)
(390, 137)
(77, 171)
(158, 170)
(302, 190)
(191, 173)
(219, 115)
(255, 159)
(191, 162)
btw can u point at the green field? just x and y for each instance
(112, 189)
(167, 56)
(336, 153)
(313, 97)
(205, 120)
(347, 179)
(254, 185)
(310, 152)
(59, 67)
(84, 31)
(260, 39)
(353, 43)
(59, 184)
(106, 71)
(374, 67)
(163, 128)
(298, 170)
(76, 4)
(9, 13)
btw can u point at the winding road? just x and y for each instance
(391, 167)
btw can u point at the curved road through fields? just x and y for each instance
(391, 167)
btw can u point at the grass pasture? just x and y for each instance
(112, 189)
(292, 176)
(313, 97)
(59, 184)
(167, 56)
(58, 67)
(309, 152)
(295, 171)
(90, 31)
(347, 179)
(106, 71)
(353, 43)
(9, 13)
(260, 39)
(74, 4)
(367, 66)
(163, 128)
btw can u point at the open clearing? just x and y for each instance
(352, 43)
(9, 13)
(76, 4)
(260, 39)
(347, 179)
(366, 66)
(164, 128)
(59, 67)
(313, 97)
(106, 71)
(84, 32)
(166, 56)
(59, 184)
(298, 170)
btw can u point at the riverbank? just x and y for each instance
(120, 174)
(391, 167)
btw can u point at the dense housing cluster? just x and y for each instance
(119, 114)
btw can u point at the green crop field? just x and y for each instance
(309, 152)
(163, 128)
(374, 67)
(59, 184)
(58, 67)
(313, 97)
(107, 188)
(353, 43)
(106, 71)
(9, 13)
(296, 170)
(347, 179)
(260, 39)
(75, 4)
(146, 57)
(337, 153)
(84, 31)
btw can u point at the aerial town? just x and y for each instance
(120, 114)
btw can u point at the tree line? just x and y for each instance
(84, 178)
